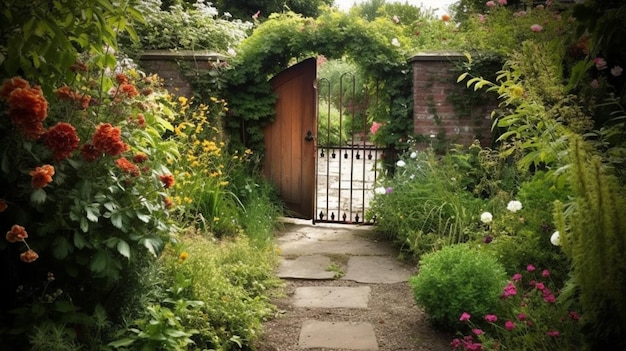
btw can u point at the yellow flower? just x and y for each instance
(183, 256)
(224, 183)
(517, 91)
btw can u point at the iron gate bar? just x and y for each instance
(327, 150)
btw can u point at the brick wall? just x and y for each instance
(443, 110)
(167, 65)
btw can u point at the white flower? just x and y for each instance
(486, 217)
(232, 52)
(617, 71)
(413, 154)
(514, 206)
(395, 42)
(401, 163)
(555, 239)
(380, 190)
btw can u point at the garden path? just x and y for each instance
(345, 290)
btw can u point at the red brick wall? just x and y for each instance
(435, 114)
(167, 65)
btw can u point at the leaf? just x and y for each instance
(144, 217)
(99, 262)
(461, 77)
(38, 197)
(116, 220)
(123, 248)
(93, 213)
(121, 342)
(153, 245)
(84, 224)
(79, 240)
(60, 248)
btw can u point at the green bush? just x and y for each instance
(457, 279)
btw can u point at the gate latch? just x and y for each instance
(309, 136)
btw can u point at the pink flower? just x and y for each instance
(545, 273)
(375, 126)
(509, 325)
(549, 298)
(502, 2)
(456, 343)
(465, 317)
(521, 316)
(530, 268)
(536, 28)
(396, 19)
(553, 333)
(490, 4)
(482, 18)
(477, 331)
(491, 318)
(517, 277)
(616, 71)
(600, 63)
(595, 84)
(540, 286)
(256, 15)
(509, 290)
(573, 315)
(520, 13)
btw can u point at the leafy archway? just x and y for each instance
(287, 38)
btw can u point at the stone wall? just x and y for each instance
(168, 65)
(445, 111)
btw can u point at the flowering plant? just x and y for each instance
(83, 177)
(530, 318)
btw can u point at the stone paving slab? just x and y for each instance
(306, 267)
(332, 297)
(337, 335)
(376, 269)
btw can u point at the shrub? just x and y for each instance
(454, 280)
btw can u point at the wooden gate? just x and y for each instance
(290, 139)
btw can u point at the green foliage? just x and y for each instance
(426, 205)
(41, 40)
(457, 279)
(592, 234)
(198, 27)
(246, 9)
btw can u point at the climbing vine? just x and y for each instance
(376, 47)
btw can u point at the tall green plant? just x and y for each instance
(593, 235)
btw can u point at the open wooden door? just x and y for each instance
(290, 139)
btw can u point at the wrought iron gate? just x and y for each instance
(347, 161)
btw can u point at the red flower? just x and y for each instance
(121, 78)
(90, 153)
(41, 176)
(17, 233)
(141, 120)
(168, 180)
(107, 139)
(445, 18)
(140, 157)
(29, 256)
(62, 140)
(66, 94)
(3, 205)
(128, 90)
(127, 167)
(27, 109)
(11, 84)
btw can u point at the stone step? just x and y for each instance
(332, 297)
(337, 335)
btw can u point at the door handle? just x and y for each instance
(308, 136)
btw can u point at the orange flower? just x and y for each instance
(128, 90)
(140, 157)
(168, 202)
(141, 120)
(3, 205)
(29, 256)
(66, 94)
(27, 109)
(41, 176)
(121, 78)
(183, 256)
(168, 180)
(62, 140)
(17, 233)
(445, 18)
(90, 153)
(108, 139)
(127, 167)
(11, 84)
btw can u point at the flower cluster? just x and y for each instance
(530, 317)
(19, 234)
(28, 108)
